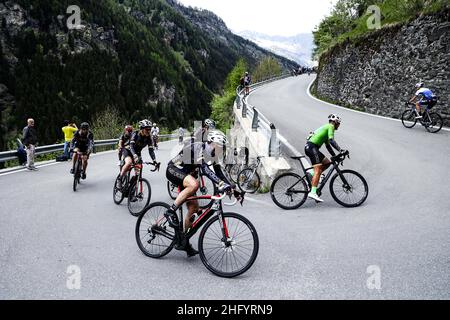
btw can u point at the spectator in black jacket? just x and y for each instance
(29, 140)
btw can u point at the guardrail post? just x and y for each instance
(255, 122)
(244, 109)
(274, 144)
(238, 102)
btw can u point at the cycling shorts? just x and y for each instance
(313, 152)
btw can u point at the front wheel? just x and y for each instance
(349, 188)
(118, 195)
(228, 248)
(435, 123)
(154, 237)
(139, 197)
(249, 181)
(409, 118)
(289, 191)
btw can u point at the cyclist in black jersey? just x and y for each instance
(182, 171)
(138, 141)
(82, 145)
(124, 140)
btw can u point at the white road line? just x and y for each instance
(308, 92)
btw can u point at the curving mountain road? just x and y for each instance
(316, 252)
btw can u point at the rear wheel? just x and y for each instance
(349, 188)
(118, 195)
(139, 196)
(232, 255)
(435, 123)
(409, 118)
(154, 237)
(172, 189)
(207, 188)
(289, 191)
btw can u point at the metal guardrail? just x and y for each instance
(12, 155)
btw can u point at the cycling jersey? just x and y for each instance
(198, 155)
(155, 131)
(125, 138)
(139, 142)
(323, 135)
(426, 93)
(84, 143)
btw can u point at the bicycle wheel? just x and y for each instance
(351, 193)
(118, 195)
(409, 119)
(249, 181)
(233, 256)
(234, 170)
(289, 191)
(435, 124)
(207, 187)
(139, 197)
(172, 189)
(154, 237)
(76, 176)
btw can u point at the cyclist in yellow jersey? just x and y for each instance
(68, 130)
(319, 162)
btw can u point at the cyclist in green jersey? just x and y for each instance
(320, 163)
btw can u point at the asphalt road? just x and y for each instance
(316, 252)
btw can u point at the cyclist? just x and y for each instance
(155, 135)
(247, 81)
(183, 172)
(139, 140)
(201, 134)
(424, 97)
(124, 141)
(320, 163)
(82, 144)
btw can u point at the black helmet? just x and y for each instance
(85, 126)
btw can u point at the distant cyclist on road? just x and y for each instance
(82, 144)
(247, 81)
(183, 172)
(155, 135)
(424, 97)
(139, 140)
(124, 141)
(201, 134)
(319, 162)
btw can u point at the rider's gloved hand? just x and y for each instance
(224, 187)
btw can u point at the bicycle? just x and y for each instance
(248, 179)
(77, 172)
(432, 121)
(206, 187)
(134, 188)
(289, 191)
(228, 244)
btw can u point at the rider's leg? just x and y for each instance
(193, 207)
(318, 169)
(191, 186)
(75, 159)
(127, 166)
(85, 162)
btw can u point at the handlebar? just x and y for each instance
(239, 196)
(157, 165)
(341, 157)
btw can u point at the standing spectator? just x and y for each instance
(29, 141)
(180, 135)
(247, 81)
(69, 129)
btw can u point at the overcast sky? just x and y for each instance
(272, 17)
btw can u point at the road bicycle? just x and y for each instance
(248, 179)
(432, 121)
(347, 187)
(136, 189)
(77, 172)
(228, 244)
(206, 187)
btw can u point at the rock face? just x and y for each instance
(377, 74)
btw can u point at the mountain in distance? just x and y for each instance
(298, 48)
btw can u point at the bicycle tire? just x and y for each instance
(333, 188)
(156, 211)
(283, 183)
(76, 176)
(249, 182)
(116, 191)
(132, 196)
(409, 116)
(435, 119)
(202, 245)
(172, 190)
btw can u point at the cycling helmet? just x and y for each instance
(129, 129)
(85, 126)
(154, 125)
(217, 136)
(210, 123)
(335, 118)
(419, 85)
(145, 124)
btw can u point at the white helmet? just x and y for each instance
(154, 124)
(210, 123)
(335, 118)
(419, 85)
(218, 137)
(145, 124)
